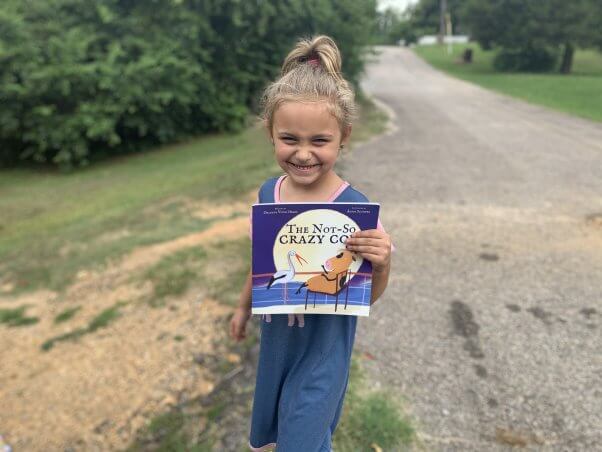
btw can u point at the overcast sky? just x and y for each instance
(399, 4)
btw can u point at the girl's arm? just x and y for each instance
(380, 280)
(242, 313)
(244, 301)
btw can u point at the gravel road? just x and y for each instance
(491, 327)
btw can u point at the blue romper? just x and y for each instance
(303, 371)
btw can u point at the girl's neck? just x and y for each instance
(319, 191)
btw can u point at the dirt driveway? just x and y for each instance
(492, 323)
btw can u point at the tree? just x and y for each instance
(595, 23)
(528, 29)
(565, 24)
(387, 26)
(425, 16)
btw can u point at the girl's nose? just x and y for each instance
(303, 154)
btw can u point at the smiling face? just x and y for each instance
(306, 140)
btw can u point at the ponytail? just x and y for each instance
(312, 72)
(321, 49)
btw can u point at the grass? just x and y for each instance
(167, 433)
(54, 224)
(373, 121)
(66, 314)
(173, 274)
(235, 256)
(100, 321)
(370, 418)
(579, 93)
(105, 317)
(16, 317)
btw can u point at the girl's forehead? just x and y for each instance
(305, 117)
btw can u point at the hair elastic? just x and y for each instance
(315, 62)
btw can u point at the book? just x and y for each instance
(299, 261)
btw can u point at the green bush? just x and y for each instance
(83, 80)
(527, 59)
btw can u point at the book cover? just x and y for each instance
(299, 261)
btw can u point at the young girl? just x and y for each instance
(302, 372)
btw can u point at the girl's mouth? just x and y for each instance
(304, 167)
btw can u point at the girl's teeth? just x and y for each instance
(304, 167)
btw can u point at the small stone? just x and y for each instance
(233, 358)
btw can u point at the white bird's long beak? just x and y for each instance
(299, 258)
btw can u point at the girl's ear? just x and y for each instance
(346, 135)
(267, 130)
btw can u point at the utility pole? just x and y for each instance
(448, 27)
(442, 21)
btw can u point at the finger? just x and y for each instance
(373, 258)
(369, 233)
(365, 249)
(382, 243)
(364, 241)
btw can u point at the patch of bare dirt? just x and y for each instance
(207, 211)
(96, 392)
(149, 255)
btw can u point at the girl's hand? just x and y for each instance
(238, 323)
(372, 244)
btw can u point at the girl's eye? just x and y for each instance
(288, 139)
(321, 141)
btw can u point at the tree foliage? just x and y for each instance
(425, 16)
(80, 80)
(393, 25)
(418, 19)
(533, 32)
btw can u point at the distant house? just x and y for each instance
(432, 39)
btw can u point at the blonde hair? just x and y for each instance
(311, 72)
